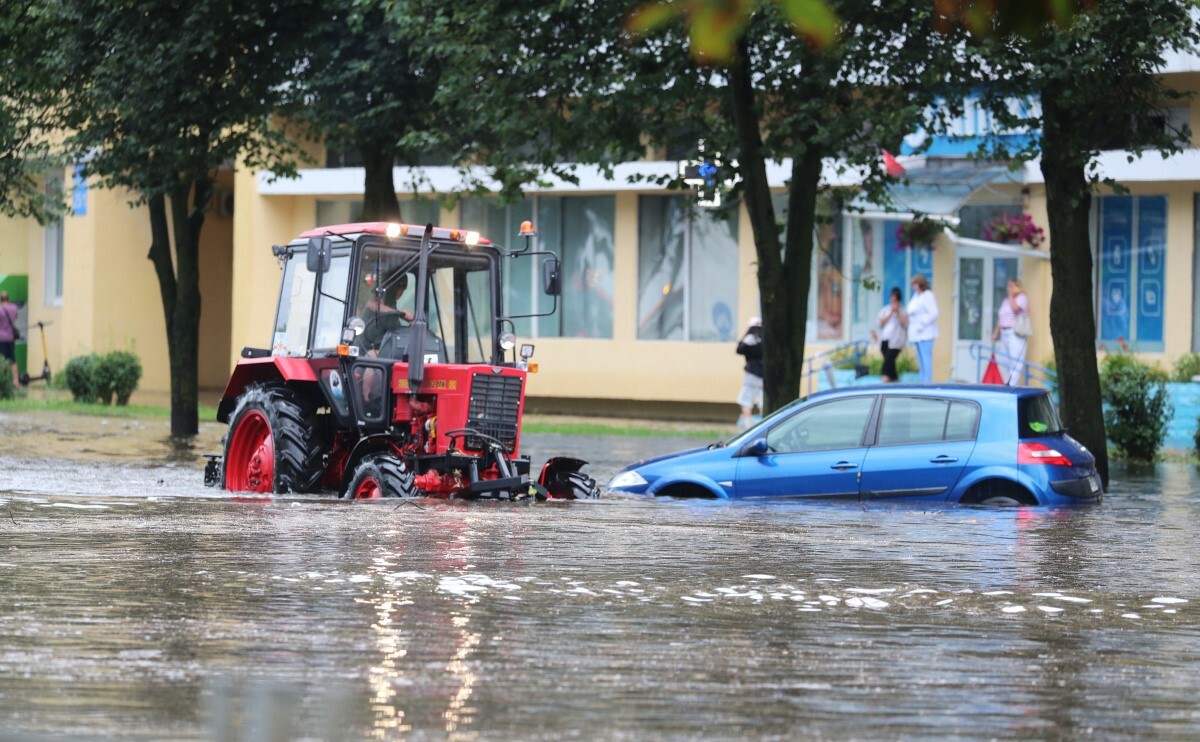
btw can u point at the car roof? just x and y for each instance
(962, 391)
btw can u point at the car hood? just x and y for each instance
(667, 457)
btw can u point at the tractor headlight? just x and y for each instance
(508, 341)
(627, 480)
(356, 325)
(527, 351)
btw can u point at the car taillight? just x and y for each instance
(1039, 453)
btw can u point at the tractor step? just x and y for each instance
(212, 470)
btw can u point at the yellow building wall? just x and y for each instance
(1177, 300)
(110, 294)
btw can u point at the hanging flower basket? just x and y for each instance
(1013, 229)
(920, 232)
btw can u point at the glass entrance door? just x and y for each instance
(980, 286)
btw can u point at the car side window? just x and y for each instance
(823, 427)
(962, 421)
(914, 420)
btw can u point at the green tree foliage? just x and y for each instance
(156, 97)
(715, 26)
(561, 82)
(1099, 88)
(365, 90)
(26, 117)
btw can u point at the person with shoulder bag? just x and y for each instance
(9, 334)
(893, 334)
(1013, 330)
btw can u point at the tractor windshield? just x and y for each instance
(459, 304)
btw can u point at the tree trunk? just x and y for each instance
(379, 191)
(784, 275)
(1072, 323)
(179, 285)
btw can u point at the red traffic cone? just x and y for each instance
(991, 374)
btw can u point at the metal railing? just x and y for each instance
(846, 355)
(1030, 372)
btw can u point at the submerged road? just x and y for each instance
(135, 603)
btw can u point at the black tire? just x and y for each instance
(998, 493)
(381, 473)
(573, 485)
(294, 435)
(1001, 502)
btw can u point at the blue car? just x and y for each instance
(970, 444)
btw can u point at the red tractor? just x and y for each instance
(392, 373)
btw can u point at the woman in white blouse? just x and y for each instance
(1012, 344)
(922, 325)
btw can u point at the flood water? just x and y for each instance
(135, 603)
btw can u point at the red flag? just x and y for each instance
(893, 168)
(991, 374)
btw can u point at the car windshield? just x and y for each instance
(757, 431)
(1037, 416)
(459, 302)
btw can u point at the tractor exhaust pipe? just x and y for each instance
(420, 323)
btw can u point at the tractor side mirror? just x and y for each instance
(551, 277)
(320, 254)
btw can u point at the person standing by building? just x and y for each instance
(893, 332)
(751, 346)
(9, 334)
(922, 324)
(1013, 328)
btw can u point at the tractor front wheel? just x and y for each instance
(272, 444)
(380, 476)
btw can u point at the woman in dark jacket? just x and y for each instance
(751, 346)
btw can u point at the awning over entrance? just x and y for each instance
(939, 189)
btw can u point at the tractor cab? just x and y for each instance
(391, 363)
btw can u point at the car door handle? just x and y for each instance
(844, 465)
(943, 459)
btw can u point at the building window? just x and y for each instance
(687, 271)
(879, 264)
(1131, 269)
(53, 246)
(580, 229)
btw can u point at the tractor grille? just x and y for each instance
(494, 409)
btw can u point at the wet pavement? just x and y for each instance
(135, 603)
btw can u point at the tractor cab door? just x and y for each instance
(369, 392)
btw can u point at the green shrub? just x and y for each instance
(81, 372)
(7, 391)
(1137, 406)
(94, 378)
(906, 362)
(1196, 436)
(118, 374)
(1187, 366)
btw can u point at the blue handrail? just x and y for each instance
(847, 354)
(983, 352)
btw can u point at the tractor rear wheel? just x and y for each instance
(272, 444)
(380, 476)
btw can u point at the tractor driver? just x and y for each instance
(379, 312)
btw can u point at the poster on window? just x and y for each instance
(829, 280)
(1132, 268)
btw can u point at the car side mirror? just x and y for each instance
(320, 254)
(551, 277)
(757, 447)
